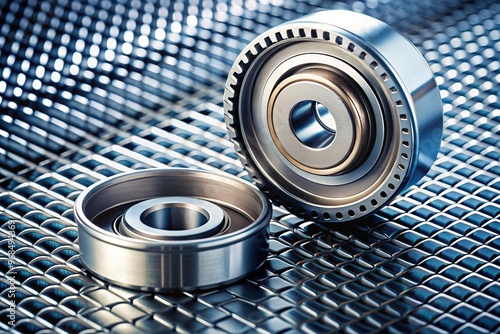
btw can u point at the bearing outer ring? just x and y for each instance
(166, 262)
(397, 93)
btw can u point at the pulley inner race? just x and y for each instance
(172, 218)
(320, 121)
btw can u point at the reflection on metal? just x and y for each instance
(172, 229)
(385, 124)
(425, 262)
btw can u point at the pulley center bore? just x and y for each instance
(320, 122)
(313, 124)
(171, 218)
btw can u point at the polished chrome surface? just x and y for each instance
(172, 229)
(386, 109)
(150, 96)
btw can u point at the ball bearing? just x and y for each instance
(333, 114)
(172, 229)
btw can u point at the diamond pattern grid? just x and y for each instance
(90, 88)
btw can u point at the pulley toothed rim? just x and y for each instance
(172, 229)
(286, 86)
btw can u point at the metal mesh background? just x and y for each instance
(91, 88)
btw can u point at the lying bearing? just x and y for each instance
(172, 229)
(333, 114)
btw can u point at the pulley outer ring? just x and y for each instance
(168, 265)
(394, 68)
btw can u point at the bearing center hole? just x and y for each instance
(174, 217)
(313, 124)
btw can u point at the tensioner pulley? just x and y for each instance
(333, 114)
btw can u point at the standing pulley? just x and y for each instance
(333, 114)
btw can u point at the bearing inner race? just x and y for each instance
(171, 218)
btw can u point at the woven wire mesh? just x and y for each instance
(91, 88)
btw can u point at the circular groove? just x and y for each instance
(387, 111)
(175, 236)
